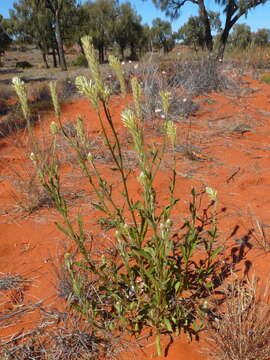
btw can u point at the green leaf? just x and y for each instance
(209, 285)
(215, 253)
(149, 250)
(168, 325)
(61, 228)
(177, 286)
(99, 207)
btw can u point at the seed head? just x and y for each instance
(54, 128)
(54, 96)
(115, 64)
(20, 89)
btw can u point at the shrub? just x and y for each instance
(3, 108)
(199, 76)
(39, 94)
(240, 327)
(265, 78)
(67, 89)
(153, 82)
(80, 61)
(148, 280)
(23, 64)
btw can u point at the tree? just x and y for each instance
(5, 40)
(193, 32)
(233, 10)
(57, 8)
(128, 28)
(162, 35)
(241, 36)
(261, 37)
(101, 16)
(31, 22)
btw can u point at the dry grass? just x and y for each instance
(239, 329)
(69, 340)
(11, 281)
(260, 234)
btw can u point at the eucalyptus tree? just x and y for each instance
(193, 31)
(261, 37)
(56, 8)
(30, 22)
(233, 11)
(128, 30)
(5, 39)
(162, 35)
(101, 17)
(241, 36)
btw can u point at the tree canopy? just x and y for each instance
(232, 9)
(5, 39)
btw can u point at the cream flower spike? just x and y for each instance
(19, 87)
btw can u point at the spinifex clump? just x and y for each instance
(151, 281)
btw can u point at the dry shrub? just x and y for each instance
(153, 82)
(69, 340)
(4, 108)
(12, 123)
(28, 194)
(40, 97)
(67, 89)
(260, 234)
(240, 328)
(6, 92)
(199, 76)
(39, 91)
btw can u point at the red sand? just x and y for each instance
(232, 134)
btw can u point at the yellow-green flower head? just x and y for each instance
(54, 128)
(171, 132)
(137, 94)
(128, 119)
(87, 88)
(165, 97)
(54, 96)
(212, 193)
(142, 178)
(32, 157)
(115, 64)
(19, 87)
(90, 157)
(93, 62)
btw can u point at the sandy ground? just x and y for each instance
(229, 137)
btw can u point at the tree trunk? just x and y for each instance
(133, 54)
(222, 43)
(81, 46)
(101, 54)
(54, 57)
(45, 60)
(225, 34)
(207, 27)
(122, 52)
(58, 36)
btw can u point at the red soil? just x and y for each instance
(231, 137)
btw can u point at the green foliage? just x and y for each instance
(241, 36)
(128, 30)
(193, 32)
(265, 78)
(261, 37)
(233, 11)
(80, 61)
(5, 40)
(162, 36)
